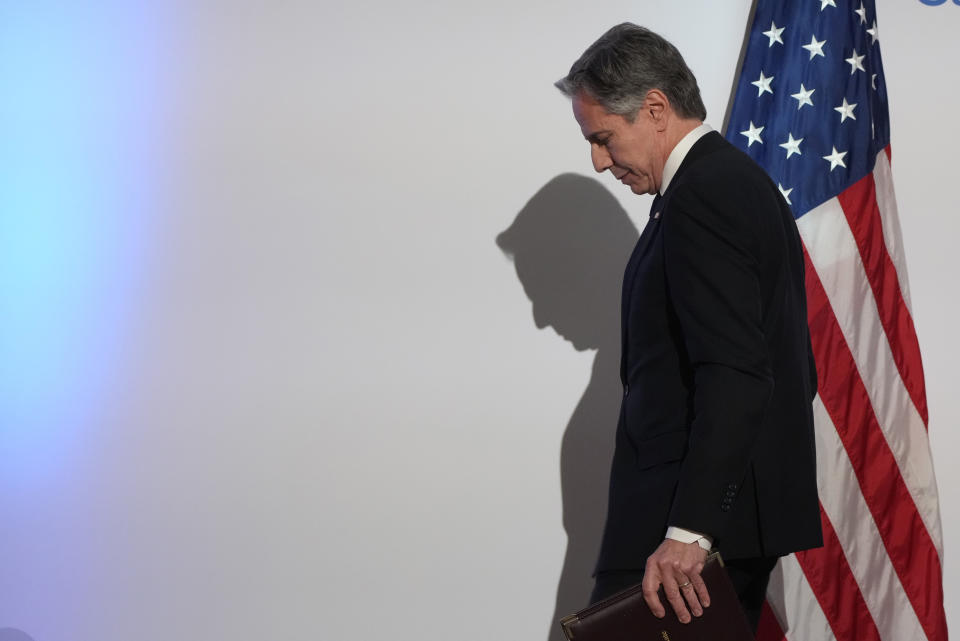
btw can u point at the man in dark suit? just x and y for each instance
(714, 444)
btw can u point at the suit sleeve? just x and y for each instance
(712, 265)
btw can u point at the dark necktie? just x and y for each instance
(655, 207)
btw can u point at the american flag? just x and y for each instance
(811, 108)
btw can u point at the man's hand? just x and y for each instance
(677, 567)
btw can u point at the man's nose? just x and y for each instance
(601, 159)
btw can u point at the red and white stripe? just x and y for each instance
(878, 576)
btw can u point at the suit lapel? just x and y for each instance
(649, 231)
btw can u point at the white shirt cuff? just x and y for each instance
(689, 536)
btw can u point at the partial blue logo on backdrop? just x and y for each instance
(12, 634)
(934, 3)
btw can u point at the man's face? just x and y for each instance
(628, 149)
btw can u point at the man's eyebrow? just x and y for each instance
(595, 136)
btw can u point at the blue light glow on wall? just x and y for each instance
(81, 101)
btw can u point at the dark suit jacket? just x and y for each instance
(716, 430)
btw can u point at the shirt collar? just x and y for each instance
(679, 153)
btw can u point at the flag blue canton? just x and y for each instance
(811, 102)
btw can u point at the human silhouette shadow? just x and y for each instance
(570, 244)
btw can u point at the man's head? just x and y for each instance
(634, 98)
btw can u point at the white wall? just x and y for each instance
(334, 416)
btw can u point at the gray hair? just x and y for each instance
(624, 64)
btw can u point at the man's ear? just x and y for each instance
(655, 105)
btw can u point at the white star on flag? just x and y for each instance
(753, 134)
(792, 145)
(815, 48)
(827, 3)
(873, 81)
(862, 12)
(846, 110)
(874, 33)
(803, 96)
(785, 192)
(836, 159)
(762, 84)
(774, 34)
(856, 62)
